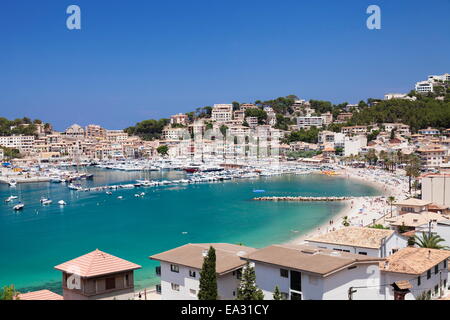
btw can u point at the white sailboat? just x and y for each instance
(19, 206)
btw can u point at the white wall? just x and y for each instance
(268, 277)
(393, 242)
(444, 232)
(434, 190)
(226, 284)
(353, 145)
(336, 286)
(426, 284)
(314, 287)
(351, 249)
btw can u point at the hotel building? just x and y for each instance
(309, 121)
(222, 112)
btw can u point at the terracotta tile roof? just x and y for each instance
(414, 260)
(410, 233)
(307, 258)
(412, 202)
(96, 263)
(40, 295)
(355, 236)
(415, 219)
(228, 256)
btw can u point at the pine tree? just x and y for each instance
(208, 277)
(248, 289)
(8, 293)
(277, 294)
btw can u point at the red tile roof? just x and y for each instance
(40, 295)
(96, 263)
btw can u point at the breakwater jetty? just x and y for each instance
(302, 198)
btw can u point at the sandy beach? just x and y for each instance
(363, 211)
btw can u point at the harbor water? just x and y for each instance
(36, 239)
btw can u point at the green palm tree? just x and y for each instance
(345, 222)
(412, 168)
(391, 200)
(429, 241)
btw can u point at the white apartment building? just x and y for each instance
(309, 273)
(239, 115)
(353, 145)
(252, 121)
(309, 121)
(400, 128)
(170, 133)
(425, 269)
(354, 130)
(403, 96)
(246, 106)
(180, 118)
(327, 118)
(330, 137)
(239, 131)
(94, 130)
(359, 240)
(424, 87)
(180, 270)
(22, 143)
(116, 135)
(222, 112)
(436, 189)
(443, 77)
(432, 156)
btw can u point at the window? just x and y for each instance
(445, 264)
(363, 253)
(175, 287)
(284, 273)
(192, 274)
(436, 269)
(193, 292)
(429, 274)
(239, 274)
(352, 267)
(284, 296)
(174, 268)
(127, 283)
(296, 281)
(110, 283)
(436, 289)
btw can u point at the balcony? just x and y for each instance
(158, 271)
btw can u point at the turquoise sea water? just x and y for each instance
(36, 239)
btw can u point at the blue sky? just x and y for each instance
(142, 59)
